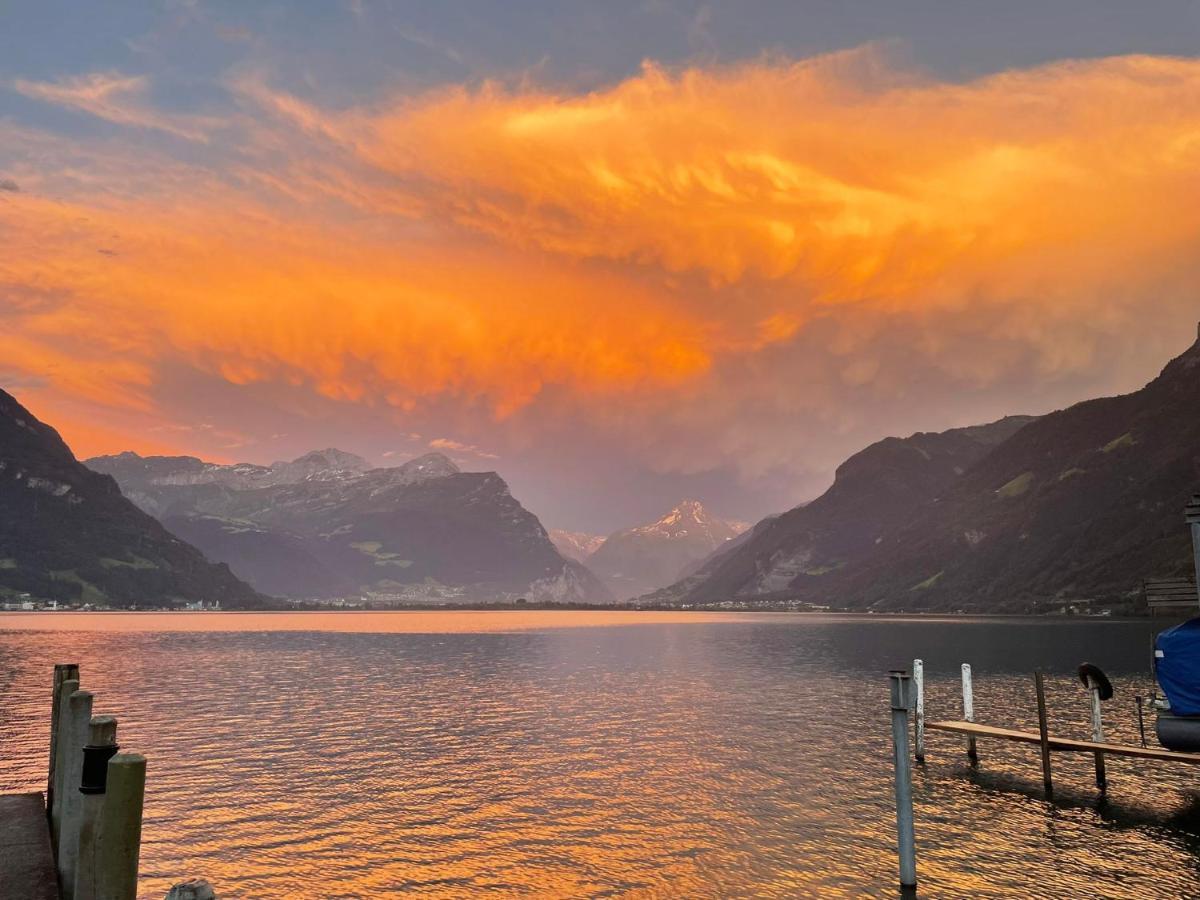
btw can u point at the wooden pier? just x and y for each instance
(908, 697)
(82, 841)
(26, 859)
(1060, 744)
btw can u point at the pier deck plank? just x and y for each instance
(26, 861)
(1069, 745)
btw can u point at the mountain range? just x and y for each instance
(68, 535)
(636, 560)
(1024, 514)
(576, 545)
(1076, 506)
(328, 525)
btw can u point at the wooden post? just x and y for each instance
(901, 691)
(969, 710)
(1097, 732)
(101, 747)
(120, 833)
(1192, 513)
(65, 690)
(1043, 733)
(918, 674)
(62, 672)
(76, 734)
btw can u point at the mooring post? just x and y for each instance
(119, 838)
(1192, 512)
(62, 672)
(65, 690)
(1043, 732)
(902, 701)
(76, 734)
(969, 710)
(100, 748)
(918, 675)
(1097, 732)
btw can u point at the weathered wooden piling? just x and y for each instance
(65, 689)
(80, 706)
(62, 672)
(918, 675)
(120, 830)
(100, 748)
(968, 692)
(1043, 732)
(902, 701)
(1192, 513)
(84, 841)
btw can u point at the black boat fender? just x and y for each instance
(1096, 675)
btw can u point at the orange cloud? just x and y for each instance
(855, 181)
(642, 256)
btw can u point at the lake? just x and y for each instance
(580, 754)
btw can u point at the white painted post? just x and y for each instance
(1097, 732)
(101, 746)
(80, 706)
(120, 834)
(969, 709)
(65, 690)
(918, 673)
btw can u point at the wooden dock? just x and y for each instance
(1069, 745)
(908, 697)
(84, 839)
(26, 860)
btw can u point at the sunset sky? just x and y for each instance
(622, 253)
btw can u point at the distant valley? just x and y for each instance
(1066, 512)
(636, 560)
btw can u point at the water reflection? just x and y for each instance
(567, 755)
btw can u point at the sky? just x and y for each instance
(621, 253)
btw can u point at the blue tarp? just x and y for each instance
(1177, 666)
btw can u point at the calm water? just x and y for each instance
(600, 755)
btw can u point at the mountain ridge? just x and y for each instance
(643, 557)
(1074, 507)
(323, 526)
(68, 534)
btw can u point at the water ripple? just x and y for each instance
(585, 755)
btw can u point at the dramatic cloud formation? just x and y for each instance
(756, 268)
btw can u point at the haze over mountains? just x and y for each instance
(67, 534)
(1077, 505)
(636, 560)
(1021, 514)
(576, 545)
(327, 525)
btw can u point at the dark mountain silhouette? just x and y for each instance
(873, 495)
(1077, 505)
(67, 533)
